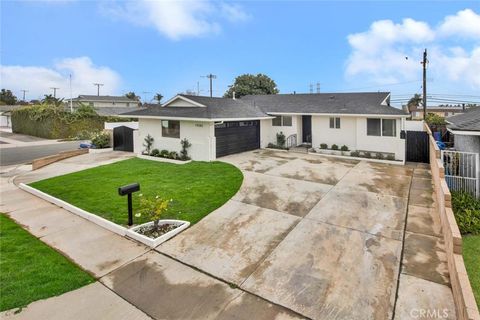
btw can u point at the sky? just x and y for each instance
(169, 47)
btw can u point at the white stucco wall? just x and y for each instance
(345, 135)
(268, 133)
(381, 144)
(200, 134)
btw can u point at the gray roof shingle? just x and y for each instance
(468, 121)
(86, 97)
(259, 106)
(216, 108)
(334, 103)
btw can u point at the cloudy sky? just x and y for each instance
(167, 46)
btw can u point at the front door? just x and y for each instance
(307, 129)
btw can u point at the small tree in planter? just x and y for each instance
(184, 152)
(153, 209)
(334, 147)
(148, 143)
(323, 146)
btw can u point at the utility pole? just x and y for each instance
(318, 87)
(198, 88)
(211, 77)
(24, 91)
(71, 101)
(98, 87)
(424, 63)
(54, 91)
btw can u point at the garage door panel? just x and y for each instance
(234, 137)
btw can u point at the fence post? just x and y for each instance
(477, 166)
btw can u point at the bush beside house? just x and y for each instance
(53, 122)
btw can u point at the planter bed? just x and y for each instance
(160, 159)
(397, 162)
(172, 228)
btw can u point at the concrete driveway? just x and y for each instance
(321, 236)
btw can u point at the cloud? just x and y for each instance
(390, 53)
(465, 23)
(39, 80)
(177, 19)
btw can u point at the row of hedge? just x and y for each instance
(52, 122)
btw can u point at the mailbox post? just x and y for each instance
(128, 190)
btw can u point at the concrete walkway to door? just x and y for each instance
(324, 237)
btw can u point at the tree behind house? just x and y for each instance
(247, 84)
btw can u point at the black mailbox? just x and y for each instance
(402, 134)
(129, 188)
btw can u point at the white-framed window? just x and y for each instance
(334, 123)
(381, 127)
(171, 128)
(282, 121)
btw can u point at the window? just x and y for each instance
(382, 127)
(389, 127)
(287, 121)
(279, 121)
(373, 127)
(334, 123)
(170, 129)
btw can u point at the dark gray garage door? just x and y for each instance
(237, 136)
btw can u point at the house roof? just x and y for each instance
(207, 109)
(468, 121)
(260, 106)
(85, 97)
(115, 111)
(329, 103)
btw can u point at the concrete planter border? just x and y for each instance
(100, 150)
(181, 225)
(396, 162)
(104, 223)
(142, 156)
(333, 152)
(274, 149)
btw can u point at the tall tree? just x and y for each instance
(158, 97)
(414, 102)
(7, 97)
(252, 84)
(132, 95)
(51, 100)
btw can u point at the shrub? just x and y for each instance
(153, 208)
(367, 154)
(164, 153)
(467, 212)
(379, 156)
(281, 140)
(184, 152)
(344, 148)
(84, 135)
(101, 140)
(334, 147)
(173, 155)
(155, 153)
(355, 154)
(148, 143)
(434, 119)
(323, 146)
(390, 157)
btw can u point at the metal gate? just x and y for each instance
(462, 171)
(417, 146)
(123, 139)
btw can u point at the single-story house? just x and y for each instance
(466, 130)
(220, 126)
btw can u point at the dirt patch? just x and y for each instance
(154, 232)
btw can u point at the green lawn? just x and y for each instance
(196, 188)
(30, 270)
(471, 255)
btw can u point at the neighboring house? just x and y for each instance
(466, 130)
(104, 101)
(417, 111)
(105, 105)
(220, 126)
(6, 114)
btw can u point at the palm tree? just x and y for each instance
(414, 102)
(158, 97)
